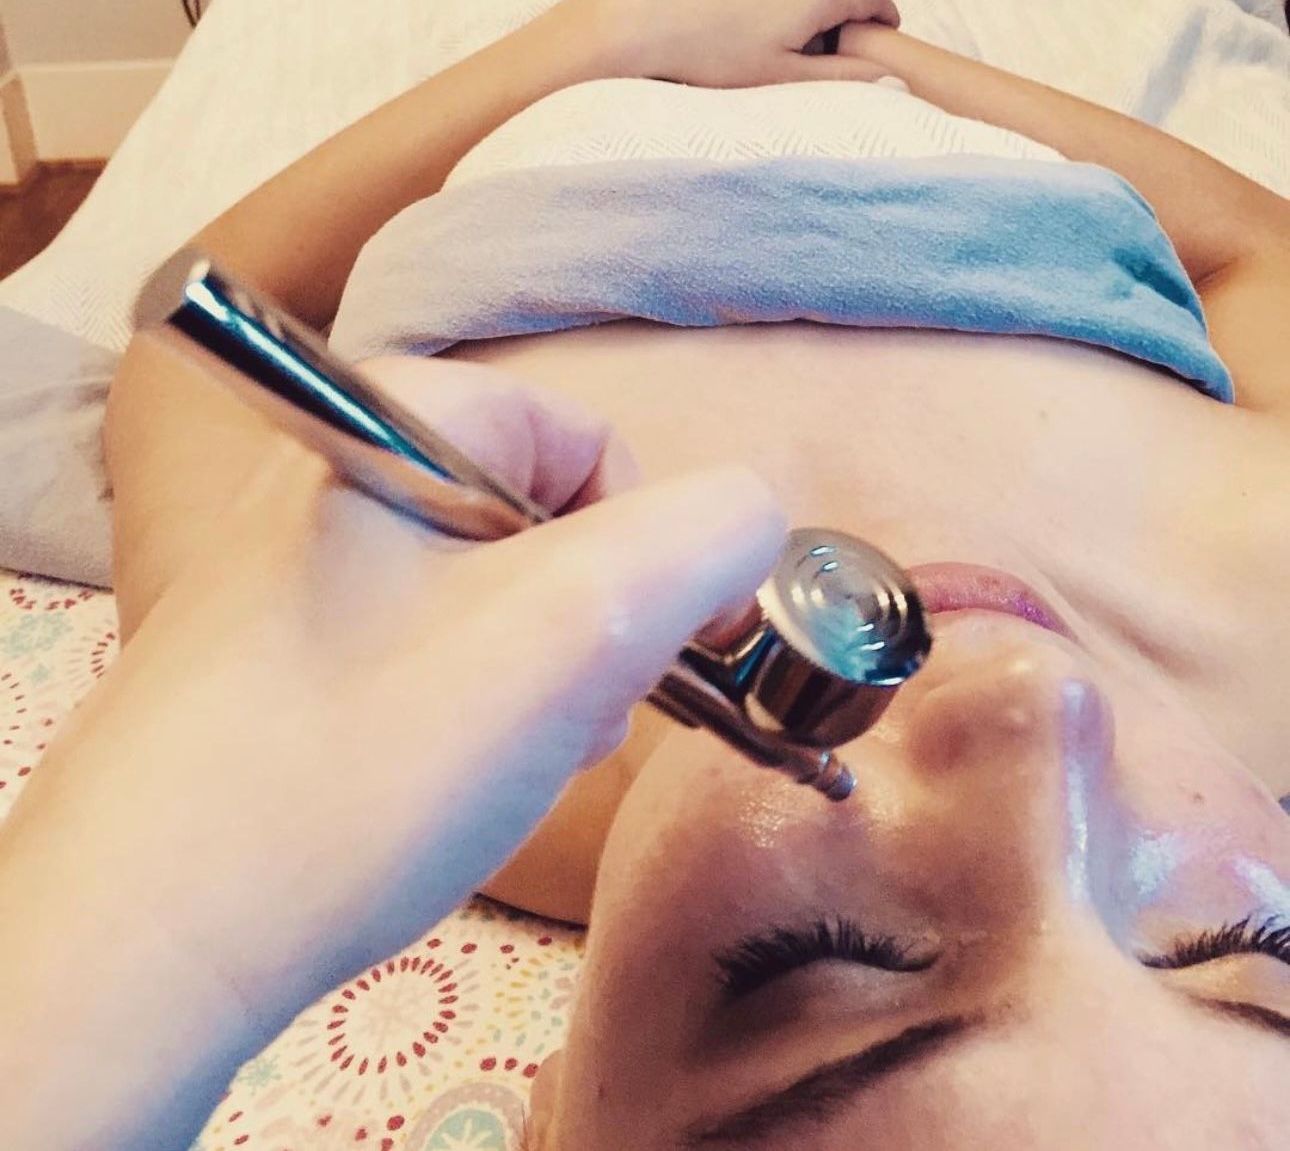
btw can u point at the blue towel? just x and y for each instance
(972, 244)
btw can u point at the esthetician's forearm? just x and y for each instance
(297, 236)
(1213, 215)
(112, 1035)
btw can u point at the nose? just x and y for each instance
(1006, 745)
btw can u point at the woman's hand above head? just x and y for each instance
(332, 728)
(732, 43)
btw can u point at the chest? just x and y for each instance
(1151, 511)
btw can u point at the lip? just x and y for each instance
(946, 587)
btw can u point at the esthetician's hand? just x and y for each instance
(330, 731)
(733, 43)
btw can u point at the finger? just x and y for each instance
(863, 11)
(615, 472)
(606, 597)
(550, 448)
(888, 13)
(801, 69)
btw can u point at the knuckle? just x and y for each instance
(595, 607)
(591, 641)
(607, 604)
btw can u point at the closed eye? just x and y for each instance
(1246, 936)
(758, 959)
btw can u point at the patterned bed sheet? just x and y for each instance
(432, 1050)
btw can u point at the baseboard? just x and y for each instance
(17, 145)
(83, 111)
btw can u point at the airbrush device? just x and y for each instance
(836, 628)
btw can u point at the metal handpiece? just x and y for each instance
(837, 627)
(286, 371)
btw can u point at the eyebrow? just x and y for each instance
(822, 1093)
(1265, 1018)
(819, 1095)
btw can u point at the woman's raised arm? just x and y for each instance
(298, 235)
(1231, 234)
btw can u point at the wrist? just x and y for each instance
(600, 41)
(879, 44)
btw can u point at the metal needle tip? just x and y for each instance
(829, 776)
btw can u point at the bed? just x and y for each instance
(434, 1048)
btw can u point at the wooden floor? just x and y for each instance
(34, 214)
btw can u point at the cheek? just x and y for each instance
(1177, 783)
(705, 846)
(698, 828)
(1189, 835)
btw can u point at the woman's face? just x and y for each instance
(1023, 930)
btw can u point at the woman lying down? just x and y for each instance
(1053, 914)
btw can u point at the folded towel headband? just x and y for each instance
(964, 243)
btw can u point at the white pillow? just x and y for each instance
(648, 120)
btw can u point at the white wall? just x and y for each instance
(74, 31)
(5, 62)
(81, 72)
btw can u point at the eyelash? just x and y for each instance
(757, 960)
(1244, 936)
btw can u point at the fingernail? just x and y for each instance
(895, 83)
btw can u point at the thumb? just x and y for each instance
(800, 69)
(562, 629)
(611, 593)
